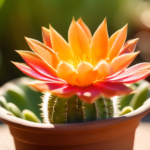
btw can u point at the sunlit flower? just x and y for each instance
(87, 66)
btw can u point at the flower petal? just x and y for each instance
(85, 28)
(99, 44)
(104, 69)
(85, 74)
(89, 94)
(46, 37)
(45, 52)
(122, 62)
(66, 91)
(112, 39)
(118, 43)
(129, 47)
(78, 40)
(139, 75)
(46, 86)
(60, 46)
(30, 72)
(110, 89)
(35, 62)
(132, 70)
(67, 72)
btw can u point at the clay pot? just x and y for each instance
(115, 134)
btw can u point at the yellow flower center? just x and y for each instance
(77, 60)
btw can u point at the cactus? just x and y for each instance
(3, 102)
(30, 116)
(126, 99)
(17, 96)
(20, 94)
(126, 110)
(58, 110)
(140, 96)
(14, 110)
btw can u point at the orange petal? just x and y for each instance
(129, 47)
(85, 74)
(122, 62)
(37, 63)
(45, 52)
(99, 44)
(112, 39)
(85, 28)
(118, 43)
(46, 37)
(78, 40)
(67, 72)
(39, 85)
(60, 46)
(46, 86)
(104, 69)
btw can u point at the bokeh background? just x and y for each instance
(19, 18)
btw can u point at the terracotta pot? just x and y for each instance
(114, 134)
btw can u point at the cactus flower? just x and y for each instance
(87, 66)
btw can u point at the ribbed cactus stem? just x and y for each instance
(110, 108)
(74, 110)
(89, 112)
(58, 110)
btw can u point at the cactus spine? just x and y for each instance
(58, 110)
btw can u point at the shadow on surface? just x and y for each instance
(146, 118)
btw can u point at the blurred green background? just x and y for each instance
(19, 18)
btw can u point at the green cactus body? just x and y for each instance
(30, 116)
(126, 110)
(14, 110)
(3, 102)
(58, 110)
(17, 96)
(140, 96)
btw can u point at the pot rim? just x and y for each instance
(73, 127)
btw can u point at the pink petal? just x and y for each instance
(46, 86)
(32, 73)
(129, 47)
(110, 89)
(130, 71)
(139, 75)
(89, 94)
(66, 91)
(36, 62)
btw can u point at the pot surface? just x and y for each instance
(114, 134)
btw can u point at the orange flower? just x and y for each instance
(86, 66)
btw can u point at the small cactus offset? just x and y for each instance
(58, 110)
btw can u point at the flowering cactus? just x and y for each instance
(85, 70)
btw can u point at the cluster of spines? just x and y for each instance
(58, 110)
